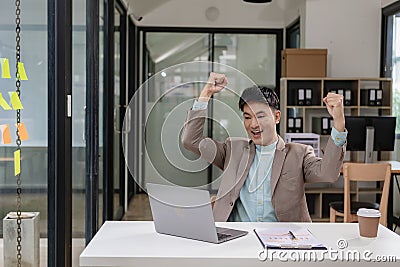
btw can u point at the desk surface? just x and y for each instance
(395, 166)
(131, 243)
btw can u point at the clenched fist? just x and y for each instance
(216, 82)
(334, 105)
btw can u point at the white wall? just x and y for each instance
(349, 29)
(351, 32)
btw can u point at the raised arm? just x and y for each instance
(327, 169)
(192, 136)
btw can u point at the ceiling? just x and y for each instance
(144, 7)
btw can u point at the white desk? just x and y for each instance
(131, 243)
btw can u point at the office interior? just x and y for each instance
(100, 53)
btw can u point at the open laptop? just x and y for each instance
(186, 212)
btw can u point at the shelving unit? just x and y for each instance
(358, 88)
(320, 88)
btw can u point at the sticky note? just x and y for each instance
(3, 103)
(21, 72)
(5, 68)
(23, 133)
(15, 101)
(17, 162)
(5, 134)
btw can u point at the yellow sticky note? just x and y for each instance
(15, 101)
(17, 162)
(5, 68)
(23, 133)
(3, 103)
(5, 134)
(21, 72)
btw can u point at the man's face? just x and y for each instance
(260, 122)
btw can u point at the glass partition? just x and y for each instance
(34, 114)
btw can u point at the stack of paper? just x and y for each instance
(299, 238)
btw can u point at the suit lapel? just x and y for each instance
(244, 166)
(279, 158)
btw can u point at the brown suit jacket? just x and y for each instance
(293, 166)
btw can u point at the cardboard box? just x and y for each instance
(304, 62)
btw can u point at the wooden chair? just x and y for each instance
(362, 172)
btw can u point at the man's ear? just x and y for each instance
(277, 116)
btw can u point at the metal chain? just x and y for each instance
(18, 141)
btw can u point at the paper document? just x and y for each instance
(287, 238)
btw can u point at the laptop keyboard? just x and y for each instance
(222, 236)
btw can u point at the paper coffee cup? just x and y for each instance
(368, 222)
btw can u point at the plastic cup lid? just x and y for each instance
(368, 213)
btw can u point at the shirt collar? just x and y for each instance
(266, 149)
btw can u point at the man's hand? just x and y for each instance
(216, 82)
(334, 105)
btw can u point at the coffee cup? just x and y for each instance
(368, 222)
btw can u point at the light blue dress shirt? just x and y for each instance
(254, 202)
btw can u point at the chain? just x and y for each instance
(18, 142)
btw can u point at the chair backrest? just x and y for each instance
(368, 172)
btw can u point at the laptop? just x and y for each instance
(186, 212)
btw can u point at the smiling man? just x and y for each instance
(263, 178)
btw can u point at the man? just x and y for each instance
(263, 178)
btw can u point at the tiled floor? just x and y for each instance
(139, 209)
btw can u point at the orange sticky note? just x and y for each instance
(21, 72)
(5, 68)
(23, 133)
(15, 101)
(3, 103)
(5, 134)
(17, 162)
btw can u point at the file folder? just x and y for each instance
(379, 95)
(347, 97)
(290, 125)
(364, 97)
(371, 97)
(298, 125)
(325, 125)
(300, 96)
(309, 97)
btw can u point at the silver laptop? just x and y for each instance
(186, 212)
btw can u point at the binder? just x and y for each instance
(333, 91)
(330, 123)
(287, 238)
(379, 95)
(298, 125)
(347, 97)
(340, 92)
(325, 125)
(290, 125)
(308, 97)
(371, 97)
(364, 97)
(300, 96)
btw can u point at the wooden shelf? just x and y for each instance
(320, 87)
(375, 107)
(315, 107)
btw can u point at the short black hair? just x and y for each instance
(259, 94)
